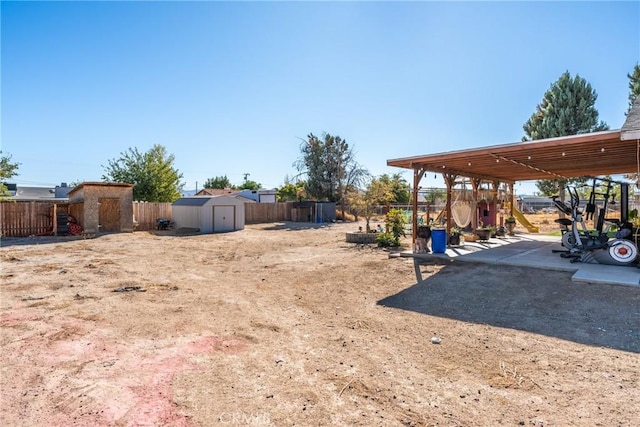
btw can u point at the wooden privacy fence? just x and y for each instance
(35, 218)
(22, 219)
(256, 213)
(145, 214)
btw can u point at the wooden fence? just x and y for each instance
(257, 213)
(22, 219)
(35, 218)
(146, 214)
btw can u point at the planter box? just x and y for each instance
(363, 238)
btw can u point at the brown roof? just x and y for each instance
(99, 184)
(598, 153)
(217, 192)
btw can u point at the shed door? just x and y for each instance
(109, 214)
(224, 218)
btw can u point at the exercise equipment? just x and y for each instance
(595, 246)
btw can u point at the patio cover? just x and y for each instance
(590, 154)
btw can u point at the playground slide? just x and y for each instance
(524, 221)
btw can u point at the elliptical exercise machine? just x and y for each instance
(584, 245)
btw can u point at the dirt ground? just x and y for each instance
(287, 324)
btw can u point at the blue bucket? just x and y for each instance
(438, 241)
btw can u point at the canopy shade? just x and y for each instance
(591, 154)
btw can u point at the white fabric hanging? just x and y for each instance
(462, 212)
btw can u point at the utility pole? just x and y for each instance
(246, 175)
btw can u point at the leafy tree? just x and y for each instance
(378, 191)
(219, 182)
(153, 175)
(291, 192)
(634, 85)
(330, 166)
(7, 171)
(399, 187)
(250, 185)
(567, 108)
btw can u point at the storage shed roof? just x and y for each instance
(191, 201)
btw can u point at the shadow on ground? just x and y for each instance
(297, 226)
(528, 299)
(41, 240)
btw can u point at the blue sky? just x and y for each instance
(233, 87)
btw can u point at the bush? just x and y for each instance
(396, 221)
(386, 240)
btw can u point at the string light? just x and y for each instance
(528, 157)
(563, 154)
(602, 150)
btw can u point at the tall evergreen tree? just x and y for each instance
(634, 85)
(567, 108)
(152, 174)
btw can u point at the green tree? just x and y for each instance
(634, 85)
(399, 188)
(250, 185)
(377, 192)
(153, 175)
(567, 108)
(290, 192)
(330, 167)
(219, 182)
(8, 170)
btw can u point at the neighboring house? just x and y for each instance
(260, 196)
(217, 192)
(21, 192)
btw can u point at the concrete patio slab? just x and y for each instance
(535, 251)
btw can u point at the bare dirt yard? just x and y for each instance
(287, 324)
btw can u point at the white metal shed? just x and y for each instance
(209, 214)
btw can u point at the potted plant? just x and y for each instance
(510, 225)
(483, 233)
(454, 236)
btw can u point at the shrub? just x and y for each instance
(396, 221)
(386, 240)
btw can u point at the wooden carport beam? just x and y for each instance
(450, 180)
(418, 173)
(475, 183)
(516, 162)
(511, 198)
(440, 169)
